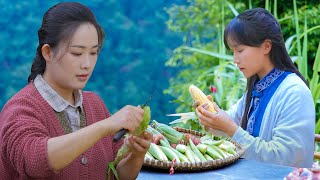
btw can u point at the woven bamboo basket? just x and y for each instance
(196, 166)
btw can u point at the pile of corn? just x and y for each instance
(172, 145)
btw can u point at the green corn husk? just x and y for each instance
(202, 148)
(168, 132)
(208, 158)
(181, 148)
(124, 150)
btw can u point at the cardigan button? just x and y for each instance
(84, 160)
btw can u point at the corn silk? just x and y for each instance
(124, 150)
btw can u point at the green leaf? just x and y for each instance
(314, 82)
(318, 127)
(296, 20)
(285, 18)
(289, 42)
(266, 6)
(316, 94)
(275, 9)
(217, 55)
(114, 171)
(316, 65)
(301, 36)
(305, 51)
(234, 11)
(294, 58)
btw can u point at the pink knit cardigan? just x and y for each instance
(27, 121)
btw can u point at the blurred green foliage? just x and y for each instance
(130, 66)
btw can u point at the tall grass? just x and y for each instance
(294, 43)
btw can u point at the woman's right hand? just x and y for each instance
(129, 117)
(196, 103)
(218, 120)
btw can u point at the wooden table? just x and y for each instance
(242, 169)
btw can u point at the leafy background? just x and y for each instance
(132, 62)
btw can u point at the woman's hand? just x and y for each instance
(139, 145)
(219, 121)
(129, 117)
(130, 166)
(197, 102)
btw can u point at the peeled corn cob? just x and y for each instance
(197, 94)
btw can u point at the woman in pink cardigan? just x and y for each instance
(53, 130)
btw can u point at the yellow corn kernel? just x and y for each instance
(197, 94)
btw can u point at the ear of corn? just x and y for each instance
(213, 142)
(208, 149)
(197, 94)
(169, 153)
(181, 148)
(194, 155)
(156, 152)
(213, 153)
(164, 143)
(196, 151)
(124, 150)
(148, 155)
(227, 148)
(168, 132)
(189, 155)
(230, 144)
(144, 123)
(181, 156)
(218, 150)
(156, 132)
(208, 157)
(202, 148)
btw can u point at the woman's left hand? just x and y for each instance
(219, 121)
(139, 145)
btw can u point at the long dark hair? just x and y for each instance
(59, 24)
(252, 28)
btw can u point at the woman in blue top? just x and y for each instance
(275, 119)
